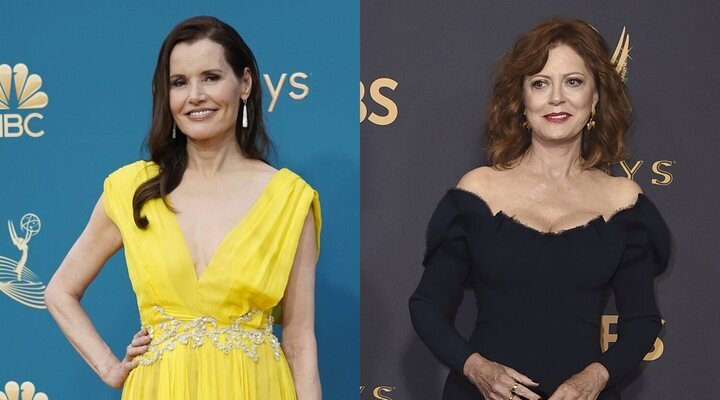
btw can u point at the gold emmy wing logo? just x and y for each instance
(27, 97)
(26, 391)
(16, 279)
(621, 55)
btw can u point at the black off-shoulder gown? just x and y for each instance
(539, 295)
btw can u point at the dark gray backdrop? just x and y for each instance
(426, 71)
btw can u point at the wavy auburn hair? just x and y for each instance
(508, 140)
(171, 154)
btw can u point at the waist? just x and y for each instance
(547, 355)
(245, 333)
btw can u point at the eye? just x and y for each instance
(538, 84)
(211, 78)
(575, 82)
(177, 82)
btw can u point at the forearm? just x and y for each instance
(432, 312)
(77, 327)
(301, 353)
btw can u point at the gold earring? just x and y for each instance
(525, 123)
(591, 122)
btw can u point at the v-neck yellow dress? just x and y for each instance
(212, 336)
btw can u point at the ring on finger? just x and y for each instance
(512, 396)
(514, 387)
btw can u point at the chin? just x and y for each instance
(199, 135)
(559, 135)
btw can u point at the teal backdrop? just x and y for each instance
(93, 62)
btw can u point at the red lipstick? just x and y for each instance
(557, 117)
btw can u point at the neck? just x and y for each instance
(553, 160)
(214, 155)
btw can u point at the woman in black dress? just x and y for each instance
(545, 233)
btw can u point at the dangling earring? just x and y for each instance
(244, 116)
(525, 123)
(591, 122)
(174, 133)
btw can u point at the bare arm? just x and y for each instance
(298, 335)
(97, 243)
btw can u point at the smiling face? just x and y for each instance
(205, 93)
(559, 98)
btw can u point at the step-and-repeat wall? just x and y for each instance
(75, 105)
(426, 73)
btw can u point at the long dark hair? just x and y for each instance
(171, 154)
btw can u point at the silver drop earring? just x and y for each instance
(174, 133)
(244, 116)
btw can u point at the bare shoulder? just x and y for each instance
(259, 172)
(479, 180)
(621, 191)
(627, 191)
(262, 167)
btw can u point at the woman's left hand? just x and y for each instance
(585, 385)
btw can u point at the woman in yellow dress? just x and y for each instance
(214, 238)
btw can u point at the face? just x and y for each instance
(205, 93)
(559, 98)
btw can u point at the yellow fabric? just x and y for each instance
(249, 271)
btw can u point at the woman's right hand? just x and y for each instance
(116, 375)
(495, 381)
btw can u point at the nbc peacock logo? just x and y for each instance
(13, 391)
(17, 281)
(27, 97)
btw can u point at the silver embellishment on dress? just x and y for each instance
(195, 332)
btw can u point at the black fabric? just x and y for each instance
(539, 296)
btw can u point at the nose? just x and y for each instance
(557, 96)
(197, 95)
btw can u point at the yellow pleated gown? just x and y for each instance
(212, 335)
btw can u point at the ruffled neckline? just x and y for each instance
(599, 219)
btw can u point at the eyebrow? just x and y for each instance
(546, 76)
(207, 71)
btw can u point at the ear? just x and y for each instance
(246, 83)
(596, 99)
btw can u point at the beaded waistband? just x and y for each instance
(195, 332)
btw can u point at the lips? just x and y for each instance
(557, 117)
(199, 114)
